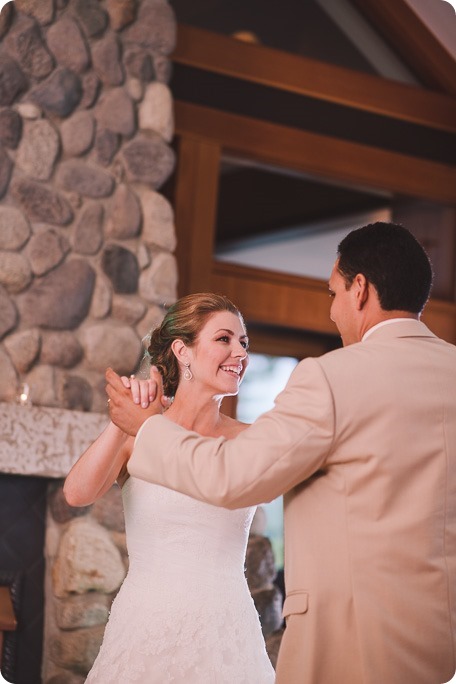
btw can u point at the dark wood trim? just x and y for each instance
(258, 64)
(413, 41)
(196, 204)
(322, 156)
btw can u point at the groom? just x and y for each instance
(362, 442)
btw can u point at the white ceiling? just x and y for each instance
(309, 251)
(440, 17)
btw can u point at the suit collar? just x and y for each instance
(400, 328)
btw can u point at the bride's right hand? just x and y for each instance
(144, 391)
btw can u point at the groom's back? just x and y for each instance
(378, 522)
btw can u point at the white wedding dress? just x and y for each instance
(184, 613)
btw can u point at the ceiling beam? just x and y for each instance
(284, 71)
(321, 156)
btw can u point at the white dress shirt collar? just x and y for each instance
(382, 323)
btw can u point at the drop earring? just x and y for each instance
(188, 375)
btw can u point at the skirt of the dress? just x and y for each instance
(183, 637)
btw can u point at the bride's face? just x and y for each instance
(218, 358)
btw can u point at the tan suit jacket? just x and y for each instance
(363, 442)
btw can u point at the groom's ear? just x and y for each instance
(360, 287)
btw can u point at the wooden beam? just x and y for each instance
(273, 298)
(196, 205)
(413, 41)
(258, 64)
(321, 156)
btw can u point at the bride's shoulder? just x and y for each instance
(232, 427)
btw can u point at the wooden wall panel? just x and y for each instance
(440, 317)
(302, 303)
(265, 297)
(275, 298)
(281, 301)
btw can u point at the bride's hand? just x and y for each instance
(142, 391)
(125, 413)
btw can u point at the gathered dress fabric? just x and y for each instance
(184, 613)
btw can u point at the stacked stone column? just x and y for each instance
(86, 239)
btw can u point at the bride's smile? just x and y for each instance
(219, 357)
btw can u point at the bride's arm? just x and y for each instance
(105, 461)
(99, 467)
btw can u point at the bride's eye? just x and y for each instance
(224, 338)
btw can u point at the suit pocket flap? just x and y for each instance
(295, 603)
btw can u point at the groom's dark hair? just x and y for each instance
(393, 260)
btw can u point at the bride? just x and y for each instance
(184, 613)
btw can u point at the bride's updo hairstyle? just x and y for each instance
(183, 321)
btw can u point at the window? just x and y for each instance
(265, 378)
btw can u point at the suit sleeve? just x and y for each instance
(282, 448)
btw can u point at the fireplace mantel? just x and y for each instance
(42, 441)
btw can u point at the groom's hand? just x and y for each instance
(127, 415)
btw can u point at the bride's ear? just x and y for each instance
(180, 351)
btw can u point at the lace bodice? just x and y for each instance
(184, 612)
(170, 532)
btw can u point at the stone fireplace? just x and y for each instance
(40, 444)
(86, 239)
